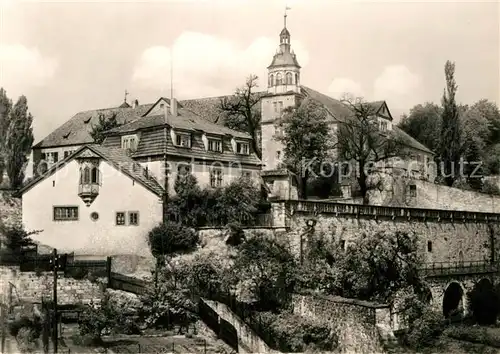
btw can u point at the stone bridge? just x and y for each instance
(459, 248)
(451, 282)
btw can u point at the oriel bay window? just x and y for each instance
(90, 180)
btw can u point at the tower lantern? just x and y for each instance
(284, 71)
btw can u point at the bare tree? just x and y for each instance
(363, 143)
(243, 113)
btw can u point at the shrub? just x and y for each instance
(34, 324)
(94, 320)
(424, 331)
(480, 335)
(292, 333)
(236, 234)
(490, 187)
(27, 339)
(172, 238)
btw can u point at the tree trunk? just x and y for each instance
(303, 184)
(362, 186)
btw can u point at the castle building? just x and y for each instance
(116, 187)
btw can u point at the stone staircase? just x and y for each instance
(387, 337)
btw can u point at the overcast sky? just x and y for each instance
(72, 56)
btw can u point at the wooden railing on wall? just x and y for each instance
(372, 211)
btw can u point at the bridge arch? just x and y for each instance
(453, 300)
(484, 302)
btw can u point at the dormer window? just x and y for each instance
(242, 148)
(183, 140)
(129, 142)
(215, 145)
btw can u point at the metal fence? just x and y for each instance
(438, 269)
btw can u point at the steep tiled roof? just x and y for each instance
(185, 119)
(411, 142)
(339, 110)
(77, 130)
(117, 158)
(284, 59)
(336, 108)
(152, 143)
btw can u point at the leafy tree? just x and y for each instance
(194, 207)
(361, 142)
(484, 303)
(18, 141)
(242, 112)
(5, 108)
(423, 123)
(377, 267)
(17, 239)
(306, 141)
(168, 301)
(489, 110)
(268, 267)
(104, 124)
(450, 146)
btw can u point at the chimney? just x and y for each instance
(135, 104)
(173, 107)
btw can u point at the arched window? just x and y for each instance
(296, 79)
(279, 79)
(288, 78)
(271, 79)
(94, 175)
(86, 175)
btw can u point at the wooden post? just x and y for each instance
(108, 270)
(54, 324)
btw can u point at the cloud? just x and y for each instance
(22, 67)
(341, 86)
(396, 85)
(395, 81)
(205, 65)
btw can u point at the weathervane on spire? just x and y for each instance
(286, 8)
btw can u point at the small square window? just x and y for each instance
(120, 218)
(133, 218)
(429, 246)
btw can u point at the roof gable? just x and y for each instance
(156, 107)
(115, 157)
